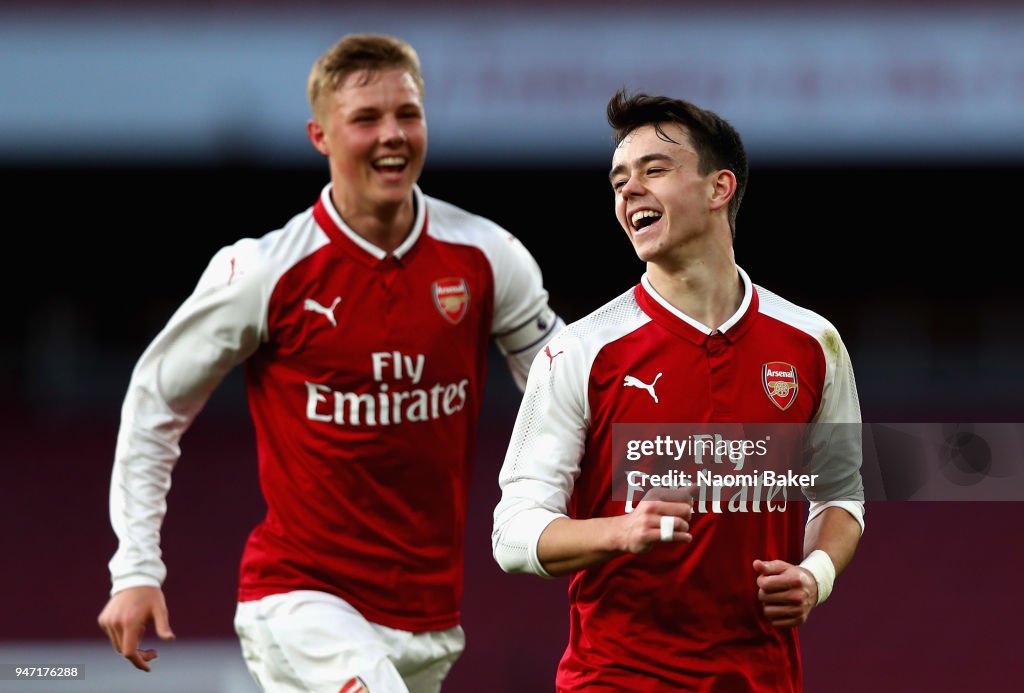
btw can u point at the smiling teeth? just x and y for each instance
(390, 161)
(644, 214)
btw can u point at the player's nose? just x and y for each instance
(632, 188)
(392, 133)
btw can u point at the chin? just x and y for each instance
(645, 252)
(394, 193)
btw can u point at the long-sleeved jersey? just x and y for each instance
(364, 373)
(682, 616)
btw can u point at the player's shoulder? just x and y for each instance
(270, 255)
(297, 238)
(509, 259)
(796, 316)
(449, 222)
(617, 318)
(300, 236)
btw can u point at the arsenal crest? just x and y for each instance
(780, 383)
(451, 296)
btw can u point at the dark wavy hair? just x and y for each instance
(716, 142)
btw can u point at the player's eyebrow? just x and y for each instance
(364, 110)
(645, 159)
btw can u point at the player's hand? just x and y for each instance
(641, 529)
(787, 592)
(125, 617)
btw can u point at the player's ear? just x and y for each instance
(316, 135)
(723, 187)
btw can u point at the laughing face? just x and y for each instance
(661, 200)
(374, 133)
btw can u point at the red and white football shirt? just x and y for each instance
(364, 372)
(683, 616)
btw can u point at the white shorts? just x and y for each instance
(313, 641)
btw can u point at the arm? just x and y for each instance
(215, 328)
(523, 321)
(567, 545)
(543, 457)
(835, 520)
(521, 345)
(789, 592)
(532, 532)
(836, 532)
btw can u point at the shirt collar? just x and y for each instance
(672, 318)
(340, 232)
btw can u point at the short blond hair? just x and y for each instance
(356, 52)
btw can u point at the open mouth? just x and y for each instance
(643, 218)
(390, 164)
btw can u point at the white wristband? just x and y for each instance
(821, 567)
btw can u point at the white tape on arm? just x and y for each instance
(821, 567)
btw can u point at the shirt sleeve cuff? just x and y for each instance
(136, 580)
(855, 508)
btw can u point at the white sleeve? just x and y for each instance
(834, 441)
(523, 322)
(217, 327)
(544, 454)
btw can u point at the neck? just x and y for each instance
(384, 225)
(706, 288)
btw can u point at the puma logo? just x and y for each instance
(630, 381)
(354, 685)
(551, 357)
(328, 313)
(235, 272)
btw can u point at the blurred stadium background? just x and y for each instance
(886, 150)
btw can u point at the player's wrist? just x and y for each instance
(615, 539)
(819, 564)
